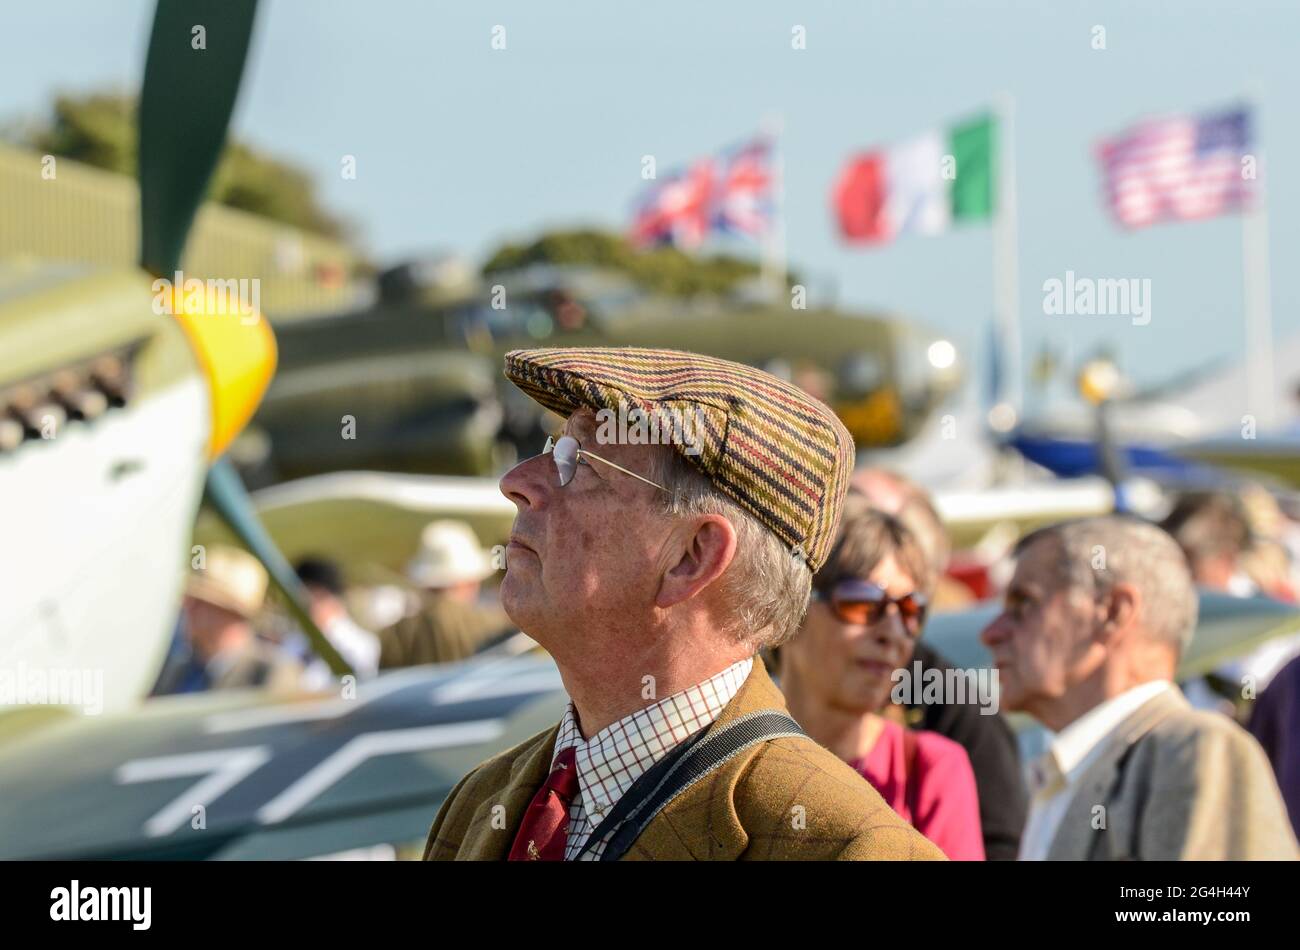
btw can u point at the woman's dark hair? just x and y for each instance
(866, 537)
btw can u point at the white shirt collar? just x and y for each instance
(1074, 744)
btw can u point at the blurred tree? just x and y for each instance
(271, 188)
(662, 270)
(100, 130)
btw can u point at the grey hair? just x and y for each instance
(1095, 554)
(767, 585)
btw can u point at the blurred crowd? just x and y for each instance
(950, 768)
(230, 634)
(1097, 682)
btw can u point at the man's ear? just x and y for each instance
(707, 545)
(1120, 610)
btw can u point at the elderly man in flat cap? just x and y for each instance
(653, 574)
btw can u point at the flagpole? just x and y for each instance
(1256, 288)
(772, 272)
(1006, 275)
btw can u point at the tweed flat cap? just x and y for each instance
(777, 452)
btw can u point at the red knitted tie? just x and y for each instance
(545, 828)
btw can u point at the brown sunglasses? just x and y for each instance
(861, 602)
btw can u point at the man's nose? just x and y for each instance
(995, 632)
(526, 484)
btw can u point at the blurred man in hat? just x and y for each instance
(450, 624)
(221, 602)
(1096, 617)
(653, 570)
(323, 580)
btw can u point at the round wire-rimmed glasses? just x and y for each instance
(566, 452)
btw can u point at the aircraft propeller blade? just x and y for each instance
(191, 78)
(226, 493)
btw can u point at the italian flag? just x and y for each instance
(924, 186)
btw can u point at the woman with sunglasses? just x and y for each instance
(868, 606)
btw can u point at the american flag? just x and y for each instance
(730, 192)
(1178, 168)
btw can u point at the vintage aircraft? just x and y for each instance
(119, 392)
(418, 377)
(1194, 431)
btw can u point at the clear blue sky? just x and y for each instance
(459, 146)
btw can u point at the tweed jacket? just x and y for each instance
(1176, 783)
(783, 799)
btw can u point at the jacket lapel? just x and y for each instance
(1076, 838)
(700, 824)
(495, 822)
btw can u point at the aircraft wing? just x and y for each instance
(245, 775)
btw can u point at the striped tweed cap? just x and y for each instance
(777, 452)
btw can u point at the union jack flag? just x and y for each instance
(730, 192)
(1178, 168)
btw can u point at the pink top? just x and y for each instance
(944, 798)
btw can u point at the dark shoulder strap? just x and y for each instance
(680, 769)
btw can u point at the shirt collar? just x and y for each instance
(612, 760)
(1074, 744)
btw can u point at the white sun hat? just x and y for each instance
(230, 578)
(449, 554)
